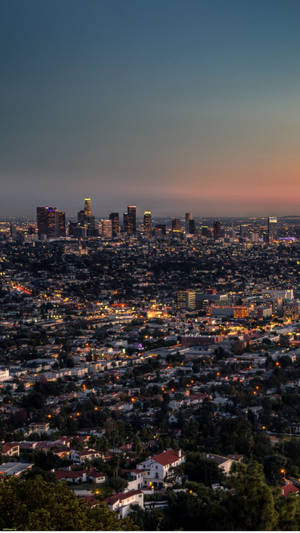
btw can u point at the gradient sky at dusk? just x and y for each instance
(176, 106)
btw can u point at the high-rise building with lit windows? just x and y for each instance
(51, 223)
(125, 223)
(86, 219)
(87, 207)
(114, 217)
(61, 223)
(129, 220)
(217, 230)
(192, 226)
(176, 224)
(188, 217)
(147, 223)
(131, 212)
(42, 222)
(106, 228)
(186, 299)
(272, 229)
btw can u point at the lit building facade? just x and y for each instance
(51, 223)
(272, 229)
(114, 217)
(129, 220)
(147, 223)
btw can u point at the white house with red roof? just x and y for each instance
(121, 502)
(135, 478)
(79, 476)
(159, 466)
(96, 477)
(71, 476)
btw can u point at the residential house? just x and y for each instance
(135, 478)
(288, 488)
(42, 427)
(224, 463)
(121, 502)
(10, 449)
(96, 477)
(71, 476)
(159, 466)
(84, 455)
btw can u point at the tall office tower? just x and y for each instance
(205, 231)
(91, 227)
(114, 217)
(188, 217)
(192, 226)
(13, 230)
(217, 230)
(147, 223)
(176, 224)
(160, 229)
(272, 229)
(81, 217)
(42, 222)
(87, 207)
(244, 231)
(51, 223)
(106, 228)
(86, 219)
(254, 237)
(125, 223)
(61, 223)
(74, 230)
(131, 218)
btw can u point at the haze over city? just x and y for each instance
(170, 105)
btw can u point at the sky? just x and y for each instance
(172, 105)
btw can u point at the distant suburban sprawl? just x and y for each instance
(149, 371)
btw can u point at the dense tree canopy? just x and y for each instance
(248, 504)
(35, 504)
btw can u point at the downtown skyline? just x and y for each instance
(172, 105)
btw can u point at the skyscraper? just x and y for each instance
(125, 222)
(42, 222)
(87, 207)
(13, 231)
(131, 216)
(176, 224)
(114, 217)
(147, 223)
(86, 219)
(129, 220)
(205, 231)
(106, 228)
(51, 223)
(188, 217)
(272, 229)
(186, 299)
(217, 230)
(61, 223)
(192, 226)
(244, 231)
(160, 229)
